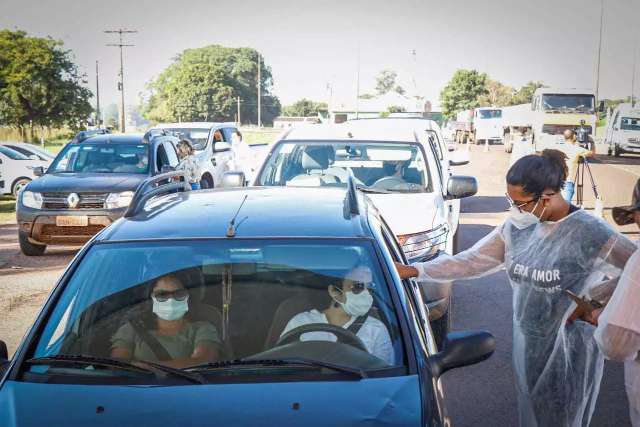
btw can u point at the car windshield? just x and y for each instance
(102, 158)
(569, 103)
(198, 137)
(393, 167)
(630, 123)
(12, 154)
(490, 114)
(208, 287)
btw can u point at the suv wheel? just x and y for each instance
(18, 185)
(29, 248)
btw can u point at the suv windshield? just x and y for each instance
(630, 123)
(102, 158)
(396, 167)
(569, 103)
(12, 154)
(198, 137)
(490, 114)
(188, 297)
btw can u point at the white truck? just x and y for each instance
(555, 110)
(516, 124)
(623, 130)
(480, 125)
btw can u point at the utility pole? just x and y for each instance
(599, 49)
(633, 72)
(239, 121)
(358, 83)
(121, 83)
(259, 92)
(97, 97)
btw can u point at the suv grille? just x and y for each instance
(87, 200)
(559, 129)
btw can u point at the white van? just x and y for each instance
(212, 143)
(623, 130)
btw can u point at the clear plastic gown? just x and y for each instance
(557, 366)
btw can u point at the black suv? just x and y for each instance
(88, 186)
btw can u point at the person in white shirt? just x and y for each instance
(351, 302)
(241, 156)
(618, 332)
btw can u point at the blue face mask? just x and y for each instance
(171, 309)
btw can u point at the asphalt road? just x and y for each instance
(484, 394)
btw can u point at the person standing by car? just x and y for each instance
(350, 304)
(618, 332)
(547, 246)
(188, 163)
(167, 336)
(574, 154)
(241, 153)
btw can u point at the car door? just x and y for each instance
(222, 153)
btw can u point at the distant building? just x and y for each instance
(381, 106)
(284, 122)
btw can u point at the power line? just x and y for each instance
(120, 45)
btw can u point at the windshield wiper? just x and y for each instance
(279, 362)
(366, 189)
(80, 359)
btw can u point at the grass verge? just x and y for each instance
(7, 209)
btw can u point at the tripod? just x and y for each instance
(583, 165)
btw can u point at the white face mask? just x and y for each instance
(170, 309)
(357, 305)
(522, 219)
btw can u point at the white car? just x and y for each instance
(212, 143)
(397, 163)
(622, 133)
(17, 170)
(30, 150)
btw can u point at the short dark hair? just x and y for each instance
(537, 172)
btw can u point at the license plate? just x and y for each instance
(72, 221)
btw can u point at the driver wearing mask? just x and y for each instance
(167, 335)
(350, 304)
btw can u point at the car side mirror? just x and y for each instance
(167, 168)
(233, 179)
(460, 187)
(460, 158)
(462, 349)
(222, 146)
(38, 171)
(601, 107)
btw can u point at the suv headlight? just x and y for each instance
(118, 200)
(31, 200)
(424, 245)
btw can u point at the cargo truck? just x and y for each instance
(623, 130)
(516, 124)
(480, 125)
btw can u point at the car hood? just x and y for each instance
(408, 213)
(86, 182)
(393, 401)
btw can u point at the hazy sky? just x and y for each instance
(312, 43)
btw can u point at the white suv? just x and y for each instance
(212, 143)
(396, 162)
(17, 170)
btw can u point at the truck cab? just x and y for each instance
(556, 110)
(623, 130)
(487, 124)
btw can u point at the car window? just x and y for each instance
(12, 154)
(284, 284)
(161, 157)
(227, 133)
(393, 167)
(25, 151)
(102, 158)
(172, 155)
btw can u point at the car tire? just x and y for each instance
(442, 326)
(28, 248)
(18, 185)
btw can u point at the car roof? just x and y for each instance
(123, 138)
(365, 130)
(269, 212)
(192, 125)
(628, 109)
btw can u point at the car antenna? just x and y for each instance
(231, 229)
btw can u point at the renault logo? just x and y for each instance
(72, 200)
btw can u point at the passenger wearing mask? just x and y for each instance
(167, 330)
(618, 332)
(349, 309)
(574, 154)
(188, 164)
(547, 246)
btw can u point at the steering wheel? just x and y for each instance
(344, 336)
(389, 182)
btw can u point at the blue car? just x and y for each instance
(235, 307)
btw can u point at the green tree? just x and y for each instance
(386, 82)
(304, 108)
(462, 92)
(497, 94)
(204, 84)
(525, 93)
(39, 83)
(111, 116)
